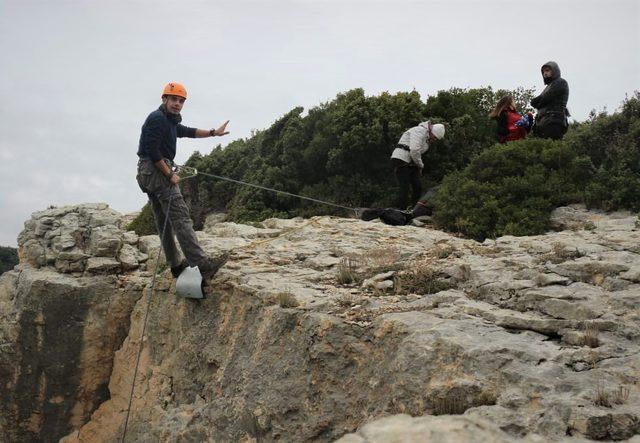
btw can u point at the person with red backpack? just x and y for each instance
(511, 125)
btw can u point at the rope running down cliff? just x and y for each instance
(192, 173)
(144, 323)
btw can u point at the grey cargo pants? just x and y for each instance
(163, 196)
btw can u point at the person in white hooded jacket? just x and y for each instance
(407, 160)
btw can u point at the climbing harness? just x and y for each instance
(185, 172)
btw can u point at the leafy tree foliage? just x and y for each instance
(609, 147)
(8, 258)
(508, 189)
(339, 152)
(469, 130)
(143, 224)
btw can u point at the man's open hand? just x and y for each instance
(222, 130)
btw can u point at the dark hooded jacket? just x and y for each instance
(552, 102)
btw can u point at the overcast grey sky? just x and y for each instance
(78, 78)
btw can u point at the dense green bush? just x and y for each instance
(509, 189)
(611, 143)
(339, 152)
(143, 223)
(8, 258)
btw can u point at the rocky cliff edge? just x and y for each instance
(324, 329)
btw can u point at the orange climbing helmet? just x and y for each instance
(174, 88)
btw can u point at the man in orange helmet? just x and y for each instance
(156, 151)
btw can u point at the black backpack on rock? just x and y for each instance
(389, 216)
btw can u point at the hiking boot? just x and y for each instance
(177, 270)
(211, 265)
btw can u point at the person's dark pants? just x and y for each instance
(408, 176)
(163, 196)
(554, 131)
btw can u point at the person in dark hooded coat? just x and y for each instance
(551, 119)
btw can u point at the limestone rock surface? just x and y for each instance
(513, 339)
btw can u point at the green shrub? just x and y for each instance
(508, 189)
(340, 152)
(8, 258)
(144, 223)
(609, 147)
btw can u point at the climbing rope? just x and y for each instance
(284, 233)
(146, 315)
(277, 191)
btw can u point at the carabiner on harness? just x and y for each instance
(185, 171)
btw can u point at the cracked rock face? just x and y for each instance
(75, 239)
(333, 328)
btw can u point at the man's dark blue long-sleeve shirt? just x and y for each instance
(158, 136)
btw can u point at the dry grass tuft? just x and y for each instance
(443, 251)
(380, 260)
(357, 268)
(457, 400)
(486, 398)
(560, 253)
(620, 396)
(608, 399)
(348, 271)
(449, 405)
(347, 300)
(421, 280)
(287, 300)
(590, 336)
